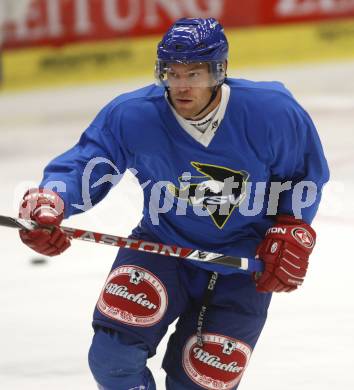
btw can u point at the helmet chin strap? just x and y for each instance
(214, 93)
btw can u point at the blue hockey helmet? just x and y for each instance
(193, 40)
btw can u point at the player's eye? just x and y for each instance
(172, 74)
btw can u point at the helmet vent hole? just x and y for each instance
(179, 47)
(207, 52)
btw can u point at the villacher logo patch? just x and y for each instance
(218, 364)
(133, 295)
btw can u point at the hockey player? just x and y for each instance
(202, 146)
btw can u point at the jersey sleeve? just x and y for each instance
(84, 174)
(299, 163)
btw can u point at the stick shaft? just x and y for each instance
(242, 263)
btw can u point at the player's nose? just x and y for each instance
(183, 91)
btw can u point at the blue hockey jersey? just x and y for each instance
(265, 137)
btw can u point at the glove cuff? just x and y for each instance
(305, 234)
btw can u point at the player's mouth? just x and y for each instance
(183, 102)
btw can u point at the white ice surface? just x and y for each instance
(45, 311)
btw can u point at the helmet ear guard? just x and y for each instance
(218, 69)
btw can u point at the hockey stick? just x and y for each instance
(242, 263)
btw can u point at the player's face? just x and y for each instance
(190, 88)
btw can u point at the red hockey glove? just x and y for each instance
(285, 251)
(47, 209)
